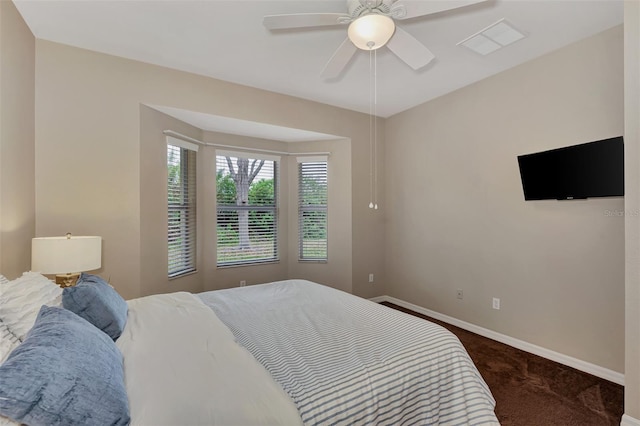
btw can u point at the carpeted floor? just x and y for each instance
(533, 391)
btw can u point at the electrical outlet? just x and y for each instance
(459, 294)
(370, 278)
(496, 303)
(243, 283)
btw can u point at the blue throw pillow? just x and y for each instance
(66, 372)
(97, 302)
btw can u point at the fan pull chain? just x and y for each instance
(371, 161)
(375, 129)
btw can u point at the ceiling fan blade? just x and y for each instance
(301, 20)
(405, 9)
(410, 50)
(339, 59)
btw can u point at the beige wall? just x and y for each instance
(457, 218)
(89, 120)
(17, 142)
(632, 206)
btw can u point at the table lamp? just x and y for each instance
(66, 257)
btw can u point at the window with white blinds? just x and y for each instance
(247, 215)
(181, 200)
(312, 209)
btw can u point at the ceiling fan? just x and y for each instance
(371, 26)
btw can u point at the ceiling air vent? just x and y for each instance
(492, 38)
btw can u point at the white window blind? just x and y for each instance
(181, 200)
(247, 216)
(312, 209)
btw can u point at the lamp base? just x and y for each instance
(67, 280)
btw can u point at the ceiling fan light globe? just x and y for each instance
(370, 32)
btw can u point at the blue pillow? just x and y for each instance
(97, 302)
(66, 372)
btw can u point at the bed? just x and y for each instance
(290, 353)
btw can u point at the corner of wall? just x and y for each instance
(17, 141)
(632, 205)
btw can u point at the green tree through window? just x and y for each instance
(246, 195)
(181, 203)
(312, 211)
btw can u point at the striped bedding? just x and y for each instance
(344, 360)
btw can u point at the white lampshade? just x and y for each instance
(370, 32)
(69, 254)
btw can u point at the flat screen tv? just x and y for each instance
(594, 169)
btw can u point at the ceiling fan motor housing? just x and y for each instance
(359, 8)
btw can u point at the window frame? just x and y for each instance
(184, 260)
(307, 208)
(273, 208)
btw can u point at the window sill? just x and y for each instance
(175, 277)
(239, 265)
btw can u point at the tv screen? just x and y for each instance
(594, 169)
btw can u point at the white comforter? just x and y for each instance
(183, 367)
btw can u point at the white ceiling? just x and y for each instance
(226, 40)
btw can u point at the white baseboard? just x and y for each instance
(596, 370)
(629, 421)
